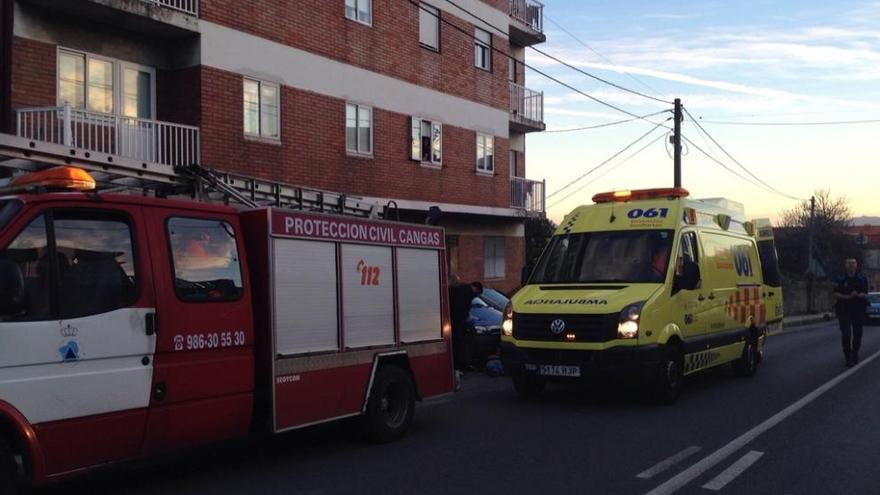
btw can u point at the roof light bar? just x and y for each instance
(68, 178)
(656, 193)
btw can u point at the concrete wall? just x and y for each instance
(795, 295)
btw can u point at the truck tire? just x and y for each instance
(747, 364)
(528, 386)
(8, 470)
(670, 376)
(392, 403)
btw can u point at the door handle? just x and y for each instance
(150, 323)
(711, 295)
(771, 293)
(159, 391)
(701, 298)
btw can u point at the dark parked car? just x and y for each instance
(485, 321)
(874, 307)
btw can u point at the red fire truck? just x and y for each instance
(133, 325)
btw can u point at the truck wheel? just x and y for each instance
(391, 406)
(670, 376)
(528, 386)
(747, 365)
(8, 470)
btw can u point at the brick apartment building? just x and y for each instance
(380, 99)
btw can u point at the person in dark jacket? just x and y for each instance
(460, 297)
(851, 296)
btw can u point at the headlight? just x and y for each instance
(507, 320)
(628, 327)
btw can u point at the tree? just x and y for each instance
(538, 233)
(831, 245)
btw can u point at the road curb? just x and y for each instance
(803, 320)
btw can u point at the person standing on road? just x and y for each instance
(460, 298)
(850, 294)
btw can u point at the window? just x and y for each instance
(511, 70)
(261, 109)
(429, 26)
(493, 257)
(105, 85)
(485, 154)
(427, 141)
(769, 263)
(632, 256)
(95, 262)
(512, 163)
(483, 49)
(27, 255)
(204, 257)
(8, 210)
(358, 129)
(89, 270)
(359, 10)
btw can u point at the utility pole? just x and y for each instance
(810, 275)
(676, 143)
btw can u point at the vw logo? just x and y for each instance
(557, 326)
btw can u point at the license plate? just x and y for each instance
(558, 370)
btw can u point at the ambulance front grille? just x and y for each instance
(586, 328)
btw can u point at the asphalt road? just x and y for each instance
(804, 424)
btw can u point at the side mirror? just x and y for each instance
(12, 295)
(689, 279)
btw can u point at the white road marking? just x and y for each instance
(668, 463)
(691, 473)
(733, 471)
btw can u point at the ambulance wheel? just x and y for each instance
(747, 364)
(670, 376)
(8, 484)
(528, 386)
(391, 406)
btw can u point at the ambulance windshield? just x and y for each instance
(633, 256)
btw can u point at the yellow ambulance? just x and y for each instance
(647, 283)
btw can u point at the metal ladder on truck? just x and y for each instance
(120, 174)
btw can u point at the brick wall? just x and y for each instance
(33, 74)
(471, 262)
(390, 46)
(312, 149)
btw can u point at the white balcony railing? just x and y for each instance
(190, 7)
(145, 140)
(528, 12)
(527, 194)
(526, 105)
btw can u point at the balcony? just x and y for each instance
(156, 18)
(139, 141)
(527, 195)
(526, 109)
(526, 22)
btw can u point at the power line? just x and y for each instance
(719, 162)
(606, 124)
(603, 57)
(597, 167)
(837, 122)
(768, 186)
(556, 59)
(612, 168)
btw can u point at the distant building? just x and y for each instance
(868, 236)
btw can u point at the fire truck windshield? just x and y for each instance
(8, 209)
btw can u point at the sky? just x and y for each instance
(756, 61)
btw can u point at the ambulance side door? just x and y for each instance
(690, 301)
(203, 381)
(76, 358)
